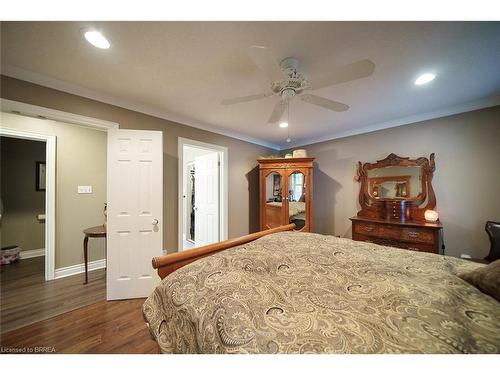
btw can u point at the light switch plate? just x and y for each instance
(84, 189)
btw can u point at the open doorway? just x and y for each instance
(22, 206)
(29, 294)
(203, 194)
(28, 198)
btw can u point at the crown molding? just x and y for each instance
(54, 83)
(449, 111)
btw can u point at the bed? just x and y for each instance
(282, 291)
(296, 213)
(295, 209)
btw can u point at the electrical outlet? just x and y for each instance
(465, 256)
(84, 189)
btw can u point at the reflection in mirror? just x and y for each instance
(273, 200)
(395, 182)
(297, 200)
(273, 187)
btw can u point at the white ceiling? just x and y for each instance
(181, 70)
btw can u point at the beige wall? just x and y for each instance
(80, 160)
(243, 173)
(22, 203)
(466, 181)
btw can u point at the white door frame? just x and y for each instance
(223, 183)
(50, 190)
(30, 110)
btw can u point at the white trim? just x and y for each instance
(462, 108)
(43, 80)
(80, 268)
(223, 182)
(26, 254)
(53, 114)
(50, 191)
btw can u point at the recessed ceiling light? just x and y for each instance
(425, 78)
(96, 39)
(284, 124)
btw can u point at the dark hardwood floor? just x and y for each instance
(25, 296)
(65, 316)
(103, 327)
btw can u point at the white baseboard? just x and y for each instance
(32, 253)
(79, 268)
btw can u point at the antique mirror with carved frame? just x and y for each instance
(396, 183)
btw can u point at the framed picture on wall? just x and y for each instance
(40, 176)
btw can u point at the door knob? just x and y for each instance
(155, 222)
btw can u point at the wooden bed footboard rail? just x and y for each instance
(169, 263)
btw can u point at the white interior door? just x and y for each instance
(135, 207)
(206, 190)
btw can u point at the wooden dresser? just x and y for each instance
(394, 195)
(419, 236)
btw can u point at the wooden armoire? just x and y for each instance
(286, 187)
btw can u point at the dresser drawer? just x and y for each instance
(395, 232)
(408, 234)
(418, 235)
(428, 248)
(369, 229)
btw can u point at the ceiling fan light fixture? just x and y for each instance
(283, 124)
(425, 78)
(96, 38)
(287, 83)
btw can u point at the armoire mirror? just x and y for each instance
(296, 199)
(273, 187)
(274, 200)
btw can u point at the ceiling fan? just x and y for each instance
(288, 83)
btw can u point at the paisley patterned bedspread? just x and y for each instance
(308, 293)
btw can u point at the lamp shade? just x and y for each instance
(431, 215)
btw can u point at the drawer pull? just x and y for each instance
(413, 248)
(413, 234)
(368, 229)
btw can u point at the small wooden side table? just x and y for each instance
(94, 232)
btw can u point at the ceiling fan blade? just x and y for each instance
(243, 99)
(324, 102)
(266, 62)
(278, 110)
(346, 73)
